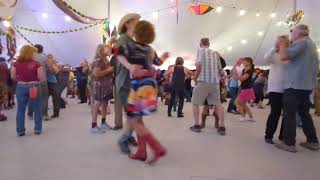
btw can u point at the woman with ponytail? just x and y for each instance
(246, 93)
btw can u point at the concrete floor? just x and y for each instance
(67, 151)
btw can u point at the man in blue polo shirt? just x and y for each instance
(303, 67)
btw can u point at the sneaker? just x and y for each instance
(269, 141)
(37, 132)
(287, 148)
(54, 116)
(46, 118)
(124, 147)
(3, 117)
(21, 134)
(97, 130)
(132, 141)
(116, 128)
(242, 119)
(251, 120)
(105, 126)
(222, 131)
(310, 146)
(196, 128)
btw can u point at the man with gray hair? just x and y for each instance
(209, 72)
(303, 67)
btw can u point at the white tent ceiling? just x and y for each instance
(225, 29)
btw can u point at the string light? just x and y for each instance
(44, 15)
(229, 48)
(318, 50)
(273, 15)
(244, 41)
(258, 14)
(67, 18)
(155, 14)
(242, 12)
(260, 33)
(6, 23)
(219, 9)
(280, 23)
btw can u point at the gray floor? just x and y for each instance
(67, 151)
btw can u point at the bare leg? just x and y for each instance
(247, 109)
(240, 108)
(94, 111)
(219, 110)
(196, 112)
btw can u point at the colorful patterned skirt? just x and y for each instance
(142, 98)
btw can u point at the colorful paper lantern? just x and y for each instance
(200, 9)
(295, 19)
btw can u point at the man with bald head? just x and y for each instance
(303, 67)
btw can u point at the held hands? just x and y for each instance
(165, 56)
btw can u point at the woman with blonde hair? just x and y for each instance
(101, 88)
(27, 73)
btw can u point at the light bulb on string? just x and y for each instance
(260, 33)
(219, 9)
(67, 18)
(280, 23)
(273, 15)
(44, 15)
(155, 14)
(6, 24)
(229, 48)
(242, 12)
(243, 41)
(258, 14)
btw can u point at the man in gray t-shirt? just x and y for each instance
(303, 65)
(42, 59)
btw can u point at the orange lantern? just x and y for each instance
(200, 9)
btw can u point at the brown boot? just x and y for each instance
(157, 148)
(141, 153)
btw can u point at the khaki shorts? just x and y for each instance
(206, 91)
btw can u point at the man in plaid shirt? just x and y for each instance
(209, 72)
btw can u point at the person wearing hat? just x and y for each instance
(122, 81)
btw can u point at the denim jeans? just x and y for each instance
(22, 94)
(44, 100)
(233, 94)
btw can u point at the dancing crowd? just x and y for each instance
(123, 73)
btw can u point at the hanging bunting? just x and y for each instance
(74, 14)
(200, 9)
(26, 39)
(59, 32)
(105, 31)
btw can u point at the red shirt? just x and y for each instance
(27, 71)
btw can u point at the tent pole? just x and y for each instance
(294, 6)
(177, 9)
(109, 9)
